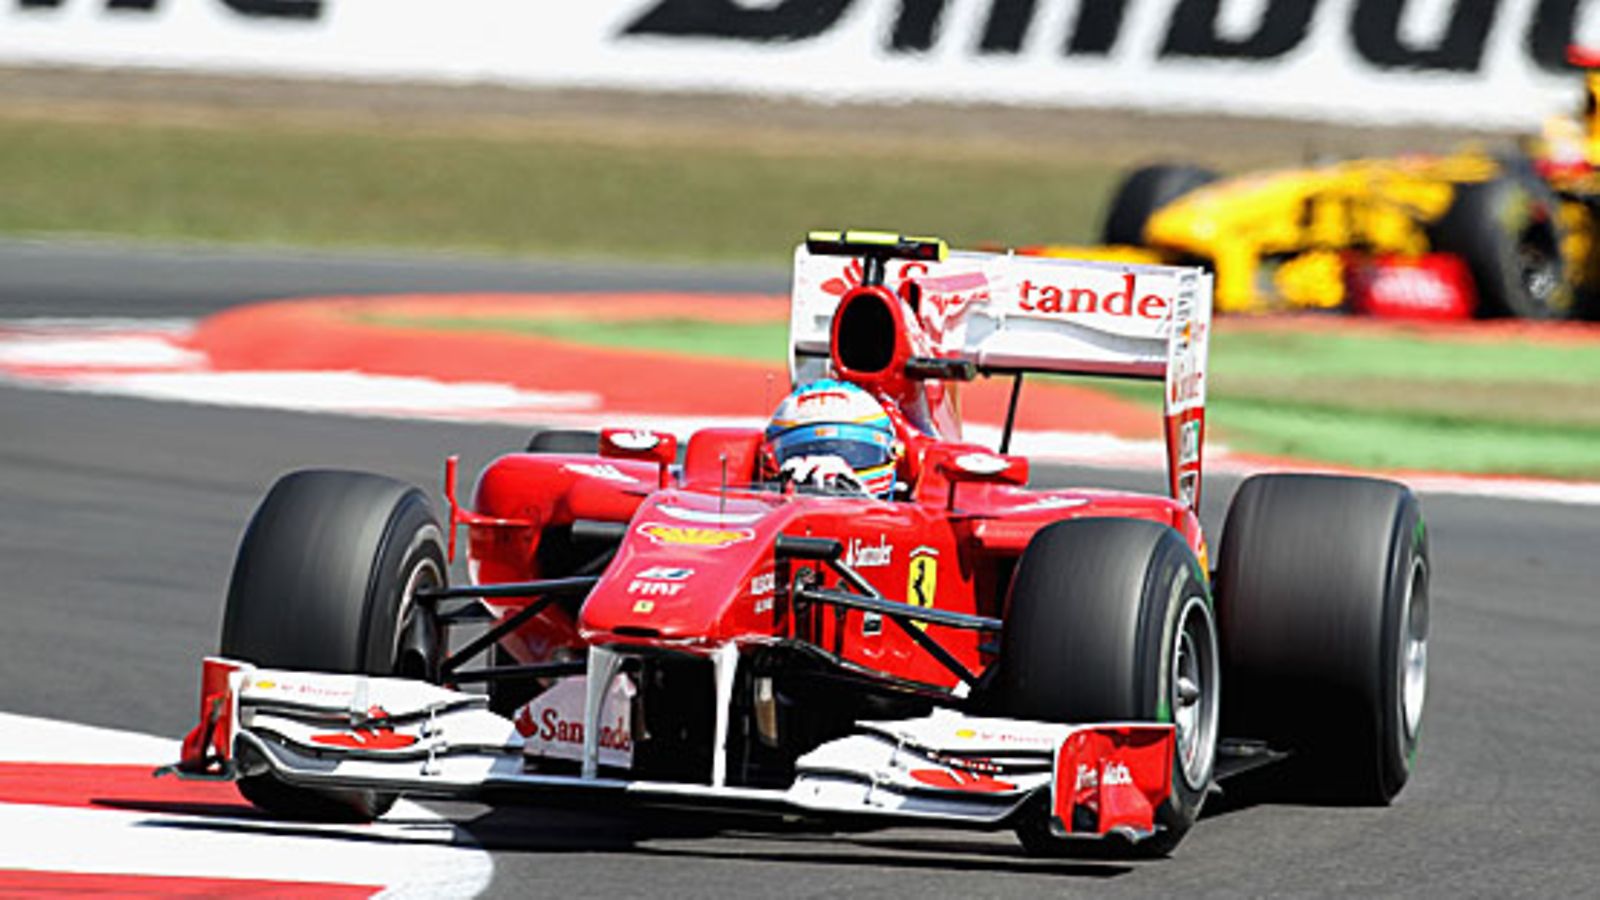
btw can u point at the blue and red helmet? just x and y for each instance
(836, 418)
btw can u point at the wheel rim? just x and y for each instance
(1539, 260)
(425, 574)
(1413, 656)
(1195, 685)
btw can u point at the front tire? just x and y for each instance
(1111, 620)
(324, 581)
(1322, 589)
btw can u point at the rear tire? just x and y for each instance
(1322, 598)
(1110, 620)
(1508, 232)
(323, 581)
(1143, 192)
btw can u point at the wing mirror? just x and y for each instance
(962, 465)
(659, 447)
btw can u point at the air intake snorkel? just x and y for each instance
(876, 340)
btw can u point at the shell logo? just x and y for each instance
(690, 536)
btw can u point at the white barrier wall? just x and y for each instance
(1464, 62)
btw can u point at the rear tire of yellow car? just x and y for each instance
(1110, 620)
(1508, 232)
(1141, 193)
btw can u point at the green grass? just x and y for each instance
(1374, 401)
(1469, 406)
(1406, 439)
(1324, 353)
(550, 194)
(1385, 401)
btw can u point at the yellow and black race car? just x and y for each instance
(1469, 234)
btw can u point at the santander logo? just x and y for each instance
(849, 277)
(1122, 302)
(1115, 774)
(945, 300)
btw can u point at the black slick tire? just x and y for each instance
(1508, 232)
(1104, 620)
(1141, 193)
(1322, 599)
(322, 582)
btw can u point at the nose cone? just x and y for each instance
(693, 569)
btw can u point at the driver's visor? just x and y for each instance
(858, 445)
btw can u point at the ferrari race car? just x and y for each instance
(1472, 234)
(693, 629)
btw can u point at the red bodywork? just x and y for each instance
(1433, 287)
(695, 569)
(725, 539)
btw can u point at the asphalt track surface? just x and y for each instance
(118, 520)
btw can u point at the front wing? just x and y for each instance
(330, 731)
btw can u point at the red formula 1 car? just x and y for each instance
(964, 651)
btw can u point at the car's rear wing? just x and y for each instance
(1008, 314)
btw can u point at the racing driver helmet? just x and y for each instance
(829, 418)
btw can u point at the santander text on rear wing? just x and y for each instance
(1008, 314)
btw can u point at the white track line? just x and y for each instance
(336, 392)
(412, 851)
